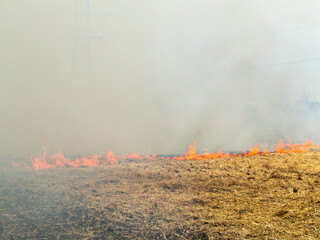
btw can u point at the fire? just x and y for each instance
(294, 148)
(281, 147)
(58, 160)
(192, 153)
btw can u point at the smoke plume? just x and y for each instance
(153, 76)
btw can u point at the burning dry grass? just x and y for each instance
(274, 196)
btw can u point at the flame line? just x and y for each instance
(58, 160)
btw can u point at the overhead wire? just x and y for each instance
(299, 61)
(274, 32)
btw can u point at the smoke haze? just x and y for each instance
(153, 76)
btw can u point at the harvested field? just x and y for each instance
(273, 196)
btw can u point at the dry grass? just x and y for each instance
(273, 196)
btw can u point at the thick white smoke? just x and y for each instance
(152, 76)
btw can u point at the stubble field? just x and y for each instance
(273, 196)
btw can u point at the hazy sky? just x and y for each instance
(152, 76)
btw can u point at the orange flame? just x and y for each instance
(294, 148)
(281, 147)
(58, 160)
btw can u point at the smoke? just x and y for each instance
(153, 76)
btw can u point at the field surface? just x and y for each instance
(273, 196)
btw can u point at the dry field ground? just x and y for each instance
(274, 196)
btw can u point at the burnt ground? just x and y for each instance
(275, 196)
